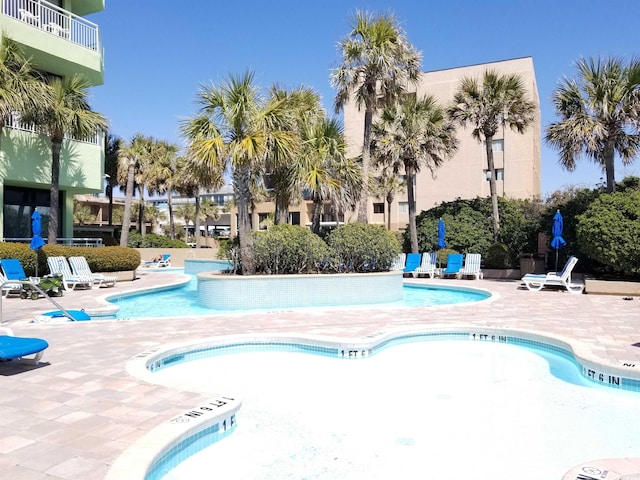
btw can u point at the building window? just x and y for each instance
(499, 174)
(378, 208)
(19, 204)
(294, 218)
(403, 208)
(496, 145)
(263, 221)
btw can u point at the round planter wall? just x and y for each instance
(237, 292)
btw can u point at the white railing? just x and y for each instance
(54, 20)
(14, 122)
(75, 242)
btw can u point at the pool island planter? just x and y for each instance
(248, 292)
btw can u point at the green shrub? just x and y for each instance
(497, 256)
(100, 259)
(286, 249)
(608, 231)
(359, 247)
(153, 240)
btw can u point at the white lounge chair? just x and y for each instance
(553, 279)
(471, 266)
(9, 288)
(398, 262)
(80, 268)
(59, 265)
(427, 265)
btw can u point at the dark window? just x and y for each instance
(294, 218)
(19, 204)
(378, 208)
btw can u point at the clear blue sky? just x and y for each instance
(158, 53)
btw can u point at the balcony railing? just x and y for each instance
(54, 20)
(13, 121)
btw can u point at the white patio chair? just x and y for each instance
(80, 268)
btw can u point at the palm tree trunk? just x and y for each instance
(389, 202)
(172, 226)
(243, 195)
(197, 220)
(128, 200)
(492, 189)
(282, 211)
(55, 192)
(413, 232)
(609, 166)
(316, 214)
(110, 195)
(363, 205)
(142, 227)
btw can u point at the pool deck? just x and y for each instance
(75, 413)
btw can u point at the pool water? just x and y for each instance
(429, 410)
(183, 301)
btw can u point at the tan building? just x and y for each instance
(516, 156)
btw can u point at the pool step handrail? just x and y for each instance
(40, 291)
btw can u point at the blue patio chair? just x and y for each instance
(413, 262)
(454, 264)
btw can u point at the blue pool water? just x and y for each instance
(183, 301)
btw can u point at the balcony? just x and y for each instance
(55, 21)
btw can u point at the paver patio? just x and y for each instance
(73, 415)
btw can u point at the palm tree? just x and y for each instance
(112, 144)
(82, 213)
(386, 185)
(237, 128)
(599, 114)
(129, 160)
(21, 88)
(66, 114)
(163, 176)
(326, 174)
(378, 65)
(209, 210)
(187, 211)
(486, 105)
(414, 134)
(283, 179)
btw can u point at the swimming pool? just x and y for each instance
(439, 409)
(183, 300)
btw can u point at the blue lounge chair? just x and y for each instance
(454, 264)
(413, 262)
(12, 269)
(17, 348)
(164, 262)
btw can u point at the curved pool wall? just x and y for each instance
(238, 292)
(194, 266)
(175, 440)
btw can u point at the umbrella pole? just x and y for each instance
(556, 260)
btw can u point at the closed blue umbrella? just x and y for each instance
(441, 242)
(36, 229)
(557, 242)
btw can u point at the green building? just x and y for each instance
(60, 41)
